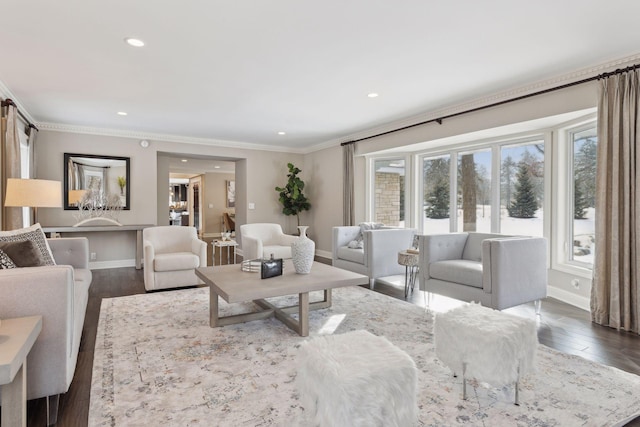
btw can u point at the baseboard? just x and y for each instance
(119, 263)
(569, 298)
(324, 254)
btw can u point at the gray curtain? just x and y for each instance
(348, 213)
(10, 141)
(615, 300)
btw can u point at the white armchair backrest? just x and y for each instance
(473, 246)
(167, 239)
(269, 234)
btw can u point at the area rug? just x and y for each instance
(157, 362)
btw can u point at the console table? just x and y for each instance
(102, 228)
(18, 335)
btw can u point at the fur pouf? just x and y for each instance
(357, 379)
(492, 344)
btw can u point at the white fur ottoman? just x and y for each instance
(485, 344)
(357, 379)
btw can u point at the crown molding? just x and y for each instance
(5, 93)
(505, 95)
(87, 130)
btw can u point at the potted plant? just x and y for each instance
(291, 197)
(122, 182)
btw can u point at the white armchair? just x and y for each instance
(171, 255)
(260, 240)
(379, 255)
(495, 270)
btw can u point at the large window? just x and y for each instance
(436, 199)
(474, 191)
(583, 190)
(522, 189)
(389, 192)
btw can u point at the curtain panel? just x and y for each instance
(615, 300)
(10, 142)
(348, 212)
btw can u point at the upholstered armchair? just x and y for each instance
(378, 256)
(59, 293)
(495, 270)
(171, 255)
(260, 240)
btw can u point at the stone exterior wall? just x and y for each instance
(387, 203)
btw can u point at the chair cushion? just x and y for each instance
(176, 261)
(457, 271)
(353, 255)
(278, 251)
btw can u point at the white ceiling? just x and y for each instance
(240, 71)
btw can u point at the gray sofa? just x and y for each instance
(496, 270)
(58, 293)
(379, 255)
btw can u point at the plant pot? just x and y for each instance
(302, 252)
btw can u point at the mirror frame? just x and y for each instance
(66, 188)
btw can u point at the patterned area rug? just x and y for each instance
(157, 362)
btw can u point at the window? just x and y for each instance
(522, 189)
(583, 191)
(436, 198)
(474, 191)
(389, 192)
(25, 171)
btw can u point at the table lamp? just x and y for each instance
(33, 193)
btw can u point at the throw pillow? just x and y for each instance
(33, 234)
(5, 261)
(23, 254)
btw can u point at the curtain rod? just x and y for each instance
(495, 104)
(8, 102)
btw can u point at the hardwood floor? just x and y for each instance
(561, 326)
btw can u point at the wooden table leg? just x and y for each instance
(138, 249)
(14, 399)
(213, 308)
(303, 314)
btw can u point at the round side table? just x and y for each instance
(410, 262)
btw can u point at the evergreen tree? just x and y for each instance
(524, 204)
(438, 201)
(580, 203)
(506, 178)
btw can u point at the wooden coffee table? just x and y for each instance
(235, 285)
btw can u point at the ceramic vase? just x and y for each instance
(303, 251)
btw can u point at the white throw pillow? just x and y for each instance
(34, 234)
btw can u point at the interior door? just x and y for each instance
(195, 203)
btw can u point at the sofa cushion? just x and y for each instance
(353, 255)
(176, 261)
(23, 253)
(457, 271)
(34, 234)
(5, 261)
(278, 251)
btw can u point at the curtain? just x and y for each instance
(348, 213)
(10, 141)
(615, 299)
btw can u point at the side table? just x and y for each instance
(18, 336)
(225, 244)
(410, 262)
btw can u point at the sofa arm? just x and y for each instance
(199, 248)
(381, 249)
(48, 291)
(251, 248)
(149, 254)
(342, 236)
(287, 239)
(73, 251)
(514, 270)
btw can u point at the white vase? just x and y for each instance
(303, 251)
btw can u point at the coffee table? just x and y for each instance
(235, 285)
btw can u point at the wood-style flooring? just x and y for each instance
(561, 326)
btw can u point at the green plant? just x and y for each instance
(122, 182)
(291, 197)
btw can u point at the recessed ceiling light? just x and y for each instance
(122, 113)
(372, 95)
(216, 167)
(184, 160)
(134, 42)
(282, 133)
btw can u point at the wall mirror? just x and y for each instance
(101, 177)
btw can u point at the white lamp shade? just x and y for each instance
(38, 193)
